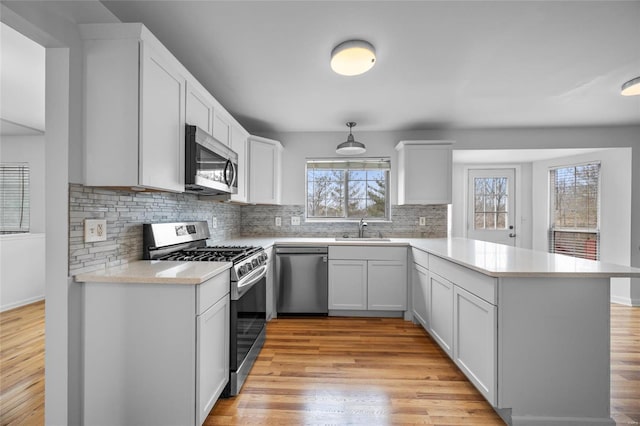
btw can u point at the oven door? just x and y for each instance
(248, 319)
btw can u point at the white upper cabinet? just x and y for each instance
(162, 122)
(239, 145)
(137, 99)
(134, 109)
(424, 172)
(221, 128)
(199, 108)
(264, 171)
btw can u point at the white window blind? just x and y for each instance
(574, 210)
(14, 198)
(348, 189)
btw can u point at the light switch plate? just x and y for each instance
(95, 230)
(295, 220)
(214, 222)
(423, 221)
(278, 221)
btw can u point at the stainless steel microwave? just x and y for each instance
(211, 167)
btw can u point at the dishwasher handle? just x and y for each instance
(302, 251)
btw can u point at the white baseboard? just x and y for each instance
(625, 301)
(20, 303)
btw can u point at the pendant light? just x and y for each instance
(353, 57)
(351, 146)
(631, 87)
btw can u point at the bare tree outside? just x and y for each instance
(347, 192)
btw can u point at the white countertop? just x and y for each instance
(157, 272)
(495, 260)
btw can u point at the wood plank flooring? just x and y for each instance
(327, 371)
(353, 371)
(22, 365)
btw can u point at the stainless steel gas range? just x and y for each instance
(187, 241)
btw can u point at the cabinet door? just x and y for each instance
(348, 284)
(440, 310)
(212, 357)
(239, 145)
(221, 128)
(425, 174)
(264, 171)
(419, 294)
(474, 341)
(199, 110)
(387, 290)
(162, 120)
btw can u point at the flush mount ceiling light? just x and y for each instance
(631, 87)
(351, 146)
(353, 57)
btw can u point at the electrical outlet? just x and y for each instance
(423, 221)
(295, 220)
(278, 221)
(95, 230)
(214, 222)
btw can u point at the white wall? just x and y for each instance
(22, 256)
(615, 208)
(22, 277)
(29, 149)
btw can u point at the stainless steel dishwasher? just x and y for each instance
(302, 280)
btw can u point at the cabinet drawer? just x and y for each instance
(420, 257)
(474, 282)
(210, 291)
(367, 253)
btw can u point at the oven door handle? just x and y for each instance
(256, 276)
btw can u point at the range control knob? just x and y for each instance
(254, 262)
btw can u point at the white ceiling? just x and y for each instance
(441, 64)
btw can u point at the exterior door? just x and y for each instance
(491, 205)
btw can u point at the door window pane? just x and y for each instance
(491, 199)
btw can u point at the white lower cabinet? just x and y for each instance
(154, 354)
(474, 341)
(348, 284)
(459, 307)
(419, 294)
(212, 356)
(387, 285)
(365, 278)
(441, 311)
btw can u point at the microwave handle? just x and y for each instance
(232, 181)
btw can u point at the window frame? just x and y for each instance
(24, 182)
(552, 229)
(345, 219)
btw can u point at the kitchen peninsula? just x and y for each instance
(529, 329)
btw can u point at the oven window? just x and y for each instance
(248, 317)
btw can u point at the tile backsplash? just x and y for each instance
(126, 211)
(259, 221)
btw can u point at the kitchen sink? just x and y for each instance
(361, 239)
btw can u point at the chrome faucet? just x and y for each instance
(361, 226)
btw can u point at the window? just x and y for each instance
(490, 203)
(575, 211)
(348, 189)
(14, 198)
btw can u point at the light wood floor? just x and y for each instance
(22, 365)
(327, 371)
